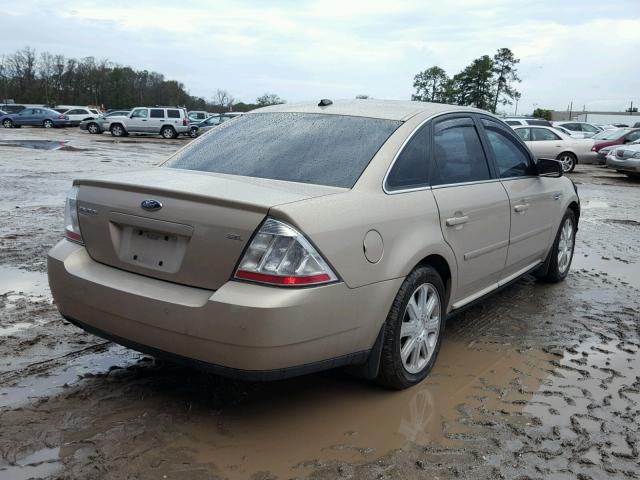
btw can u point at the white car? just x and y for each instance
(625, 159)
(547, 142)
(78, 114)
(587, 130)
(168, 122)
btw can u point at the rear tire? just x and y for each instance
(413, 330)
(93, 128)
(568, 161)
(193, 132)
(7, 123)
(168, 132)
(561, 254)
(117, 130)
(47, 124)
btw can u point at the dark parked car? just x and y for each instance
(619, 136)
(37, 117)
(12, 107)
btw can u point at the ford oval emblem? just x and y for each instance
(151, 205)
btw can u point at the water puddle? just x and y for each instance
(39, 385)
(18, 281)
(324, 418)
(614, 267)
(40, 464)
(35, 144)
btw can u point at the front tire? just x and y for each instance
(568, 161)
(634, 176)
(561, 253)
(47, 124)
(93, 128)
(193, 133)
(117, 130)
(413, 330)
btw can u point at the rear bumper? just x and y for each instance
(241, 330)
(627, 165)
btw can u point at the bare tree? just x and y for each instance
(223, 98)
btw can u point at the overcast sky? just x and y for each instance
(586, 51)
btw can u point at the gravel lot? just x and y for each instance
(540, 381)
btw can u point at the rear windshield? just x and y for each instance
(313, 148)
(609, 134)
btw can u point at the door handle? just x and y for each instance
(521, 208)
(557, 196)
(453, 221)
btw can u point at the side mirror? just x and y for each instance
(549, 168)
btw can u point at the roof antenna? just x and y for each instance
(325, 102)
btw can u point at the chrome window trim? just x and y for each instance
(475, 182)
(410, 136)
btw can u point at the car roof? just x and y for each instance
(383, 109)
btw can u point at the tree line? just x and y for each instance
(53, 79)
(486, 83)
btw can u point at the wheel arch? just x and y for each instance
(441, 265)
(576, 210)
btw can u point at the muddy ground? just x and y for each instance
(540, 381)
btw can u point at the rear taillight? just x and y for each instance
(280, 255)
(185, 122)
(71, 223)
(593, 149)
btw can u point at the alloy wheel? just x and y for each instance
(565, 245)
(420, 328)
(567, 162)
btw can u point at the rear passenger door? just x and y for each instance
(156, 120)
(546, 144)
(473, 205)
(534, 200)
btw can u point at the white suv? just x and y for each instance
(169, 122)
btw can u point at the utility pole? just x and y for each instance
(516, 114)
(570, 109)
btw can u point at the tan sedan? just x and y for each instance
(548, 142)
(305, 237)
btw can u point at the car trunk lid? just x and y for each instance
(181, 226)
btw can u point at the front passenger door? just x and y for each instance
(138, 121)
(473, 205)
(534, 201)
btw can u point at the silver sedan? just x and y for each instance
(547, 142)
(626, 159)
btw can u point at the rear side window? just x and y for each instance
(513, 122)
(411, 168)
(589, 128)
(542, 134)
(510, 155)
(458, 153)
(173, 113)
(157, 113)
(524, 134)
(297, 147)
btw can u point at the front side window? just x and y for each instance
(513, 122)
(633, 136)
(542, 134)
(411, 168)
(543, 123)
(157, 113)
(140, 113)
(458, 153)
(313, 148)
(511, 156)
